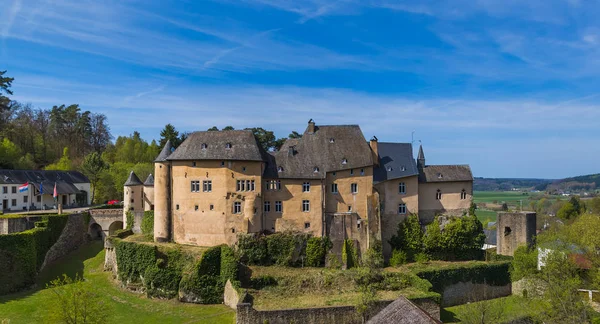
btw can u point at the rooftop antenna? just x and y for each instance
(412, 137)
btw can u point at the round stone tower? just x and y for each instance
(162, 195)
(133, 196)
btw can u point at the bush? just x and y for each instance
(285, 249)
(524, 263)
(262, 282)
(133, 259)
(374, 257)
(461, 239)
(147, 226)
(130, 219)
(229, 265)
(122, 233)
(409, 237)
(398, 258)
(316, 250)
(422, 257)
(349, 254)
(252, 249)
(162, 281)
(495, 274)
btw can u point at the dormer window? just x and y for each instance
(403, 168)
(316, 170)
(204, 146)
(332, 140)
(389, 169)
(228, 145)
(279, 169)
(440, 176)
(344, 161)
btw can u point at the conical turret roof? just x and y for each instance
(165, 152)
(149, 181)
(133, 180)
(421, 154)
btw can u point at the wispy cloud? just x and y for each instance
(10, 19)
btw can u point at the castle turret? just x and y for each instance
(133, 196)
(162, 195)
(149, 193)
(421, 159)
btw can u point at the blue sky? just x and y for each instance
(509, 87)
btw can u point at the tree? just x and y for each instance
(9, 153)
(567, 211)
(64, 164)
(92, 167)
(213, 129)
(576, 204)
(409, 237)
(265, 138)
(169, 133)
(76, 301)
(5, 84)
(461, 238)
(228, 128)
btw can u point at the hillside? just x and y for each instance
(577, 184)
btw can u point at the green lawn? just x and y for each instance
(499, 196)
(124, 306)
(498, 310)
(486, 216)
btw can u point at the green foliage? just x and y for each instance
(495, 274)
(162, 280)
(64, 164)
(9, 154)
(130, 220)
(316, 250)
(93, 165)
(472, 209)
(398, 258)
(422, 257)
(148, 223)
(409, 237)
(251, 249)
(461, 239)
(567, 211)
(122, 233)
(524, 263)
(349, 254)
(23, 253)
(374, 256)
(366, 300)
(76, 301)
(133, 260)
(285, 249)
(169, 133)
(262, 282)
(229, 265)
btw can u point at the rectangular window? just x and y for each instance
(349, 208)
(193, 164)
(237, 207)
(438, 195)
(362, 171)
(177, 206)
(252, 185)
(238, 186)
(305, 205)
(14, 189)
(351, 171)
(334, 188)
(278, 207)
(247, 185)
(25, 199)
(5, 190)
(354, 188)
(306, 187)
(267, 206)
(14, 202)
(212, 207)
(402, 209)
(39, 198)
(207, 185)
(195, 186)
(402, 188)
(306, 225)
(278, 185)
(463, 195)
(196, 208)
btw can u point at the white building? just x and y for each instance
(73, 189)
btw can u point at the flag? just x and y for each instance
(41, 188)
(55, 193)
(24, 187)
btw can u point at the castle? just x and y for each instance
(330, 182)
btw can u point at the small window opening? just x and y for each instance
(228, 145)
(332, 140)
(316, 170)
(212, 207)
(306, 225)
(177, 207)
(243, 169)
(279, 169)
(344, 161)
(507, 231)
(403, 168)
(204, 146)
(389, 168)
(193, 164)
(222, 163)
(351, 171)
(196, 207)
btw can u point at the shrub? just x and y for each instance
(349, 254)
(422, 257)
(316, 250)
(162, 281)
(130, 219)
(122, 233)
(409, 237)
(285, 249)
(133, 259)
(252, 249)
(461, 239)
(398, 258)
(495, 274)
(147, 226)
(524, 263)
(76, 301)
(374, 256)
(229, 265)
(262, 282)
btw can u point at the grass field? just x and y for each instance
(499, 196)
(504, 309)
(123, 306)
(486, 216)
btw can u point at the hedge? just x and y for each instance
(133, 259)
(284, 249)
(495, 274)
(22, 254)
(147, 226)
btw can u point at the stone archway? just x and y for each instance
(115, 226)
(96, 232)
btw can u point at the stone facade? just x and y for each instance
(514, 230)
(72, 237)
(331, 181)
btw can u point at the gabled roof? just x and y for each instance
(395, 161)
(149, 181)
(446, 173)
(133, 180)
(402, 311)
(19, 177)
(329, 148)
(213, 145)
(165, 152)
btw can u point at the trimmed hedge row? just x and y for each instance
(22, 254)
(495, 274)
(171, 273)
(147, 226)
(284, 249)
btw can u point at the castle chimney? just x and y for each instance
(290, 151)
(374, 149)
(311, 126)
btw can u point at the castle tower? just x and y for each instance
(514, 230)
(421, 159)
(162, 195)
(133, 196)
(149, 193)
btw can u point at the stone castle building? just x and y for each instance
(331, 182)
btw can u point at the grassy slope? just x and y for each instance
(125, 307)
(509, 308)
(506, 196)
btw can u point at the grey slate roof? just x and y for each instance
(446, 173)
(317, 150)
(402, 311)
(165, 152)
(243, 146)
(149, 181)
(421, 155)
(395, 161)
(133, 180)
(490, 237)
(36, 176)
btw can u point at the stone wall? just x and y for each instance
(110, 258)
(16, 225)
(231, 297)
(246, 314)
(72, 237)
(514, 230)
(466, 292)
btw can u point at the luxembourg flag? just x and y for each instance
(24, 187)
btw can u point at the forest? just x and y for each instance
(68, 137)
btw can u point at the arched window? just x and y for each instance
(438, 195)
(463, 194)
